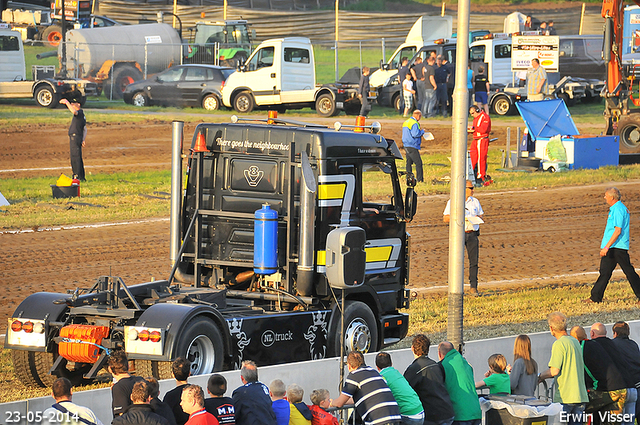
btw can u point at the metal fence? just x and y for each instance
(116, 65)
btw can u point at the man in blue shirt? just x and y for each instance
(614, 248)
(411, 139)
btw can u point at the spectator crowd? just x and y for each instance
(595, 380)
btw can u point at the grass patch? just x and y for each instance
(105, 197)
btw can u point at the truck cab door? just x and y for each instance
(378, 78)
(376, 213)
(262, 73)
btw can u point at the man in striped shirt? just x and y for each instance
(371, 395)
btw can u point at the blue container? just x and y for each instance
(265, 241)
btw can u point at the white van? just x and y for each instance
(423, 32)
(12, 67)
(280, 73)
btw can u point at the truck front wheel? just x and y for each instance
(361, 330)
(243, 102)
(46, 97)
(325, 105)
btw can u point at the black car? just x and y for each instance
(182, 85)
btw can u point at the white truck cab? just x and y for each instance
(12, 65)
(279, 71)
(425, 30)
(495, 52)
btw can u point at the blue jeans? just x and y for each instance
(444, 422)
(630, 404)
(408, 421)
(573, 414)
(429, 103)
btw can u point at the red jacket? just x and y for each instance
(321, 416)
(481, 126)
(202, 417)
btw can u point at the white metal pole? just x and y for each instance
(458, 181)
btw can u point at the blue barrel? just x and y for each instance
(265, 241)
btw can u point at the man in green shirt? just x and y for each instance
(458, 378)
(408, 401)
(567, 367)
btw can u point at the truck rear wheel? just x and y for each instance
(52, 35)
(24, 368)
(32, 369)
(243, 102)
(629, 132)
(159, 370)
(122, 76)
(46, 97)
(501, 105)
(325, 105)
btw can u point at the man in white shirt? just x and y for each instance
(472, 208)
(64, 411)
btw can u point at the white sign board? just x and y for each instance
(153, 39)
(543, 47)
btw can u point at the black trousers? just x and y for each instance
(608, 263)
(473, 251)
(75, 152)
(364, 109)
(413, 156)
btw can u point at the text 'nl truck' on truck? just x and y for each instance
(235, 293)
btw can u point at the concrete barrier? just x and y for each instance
(310, 375)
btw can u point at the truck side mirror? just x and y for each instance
(384, 66)
(345, 257)
(410, 204)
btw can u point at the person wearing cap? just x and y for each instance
(411, 140)
(472, 208)
(77, 137)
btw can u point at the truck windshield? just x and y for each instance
(377, 186)
(476, 53)
(408, 52)
(9, 43)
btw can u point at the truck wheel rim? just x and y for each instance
(243, 103)
(44, 97)
(54, 38)
(202, 355)
(358, 336)
(502, 106)
(325, 106)
(631, 136)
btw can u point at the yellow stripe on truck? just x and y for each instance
(322, 258)
(378, 253)
(331, 191)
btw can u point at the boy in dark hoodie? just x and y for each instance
(218, 405)
(300, 413)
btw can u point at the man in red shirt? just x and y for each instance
(192, 402)
(480, 130)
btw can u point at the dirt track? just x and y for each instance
(546, 233)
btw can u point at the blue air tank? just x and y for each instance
(265, 241)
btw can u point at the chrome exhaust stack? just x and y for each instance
(306, 249)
